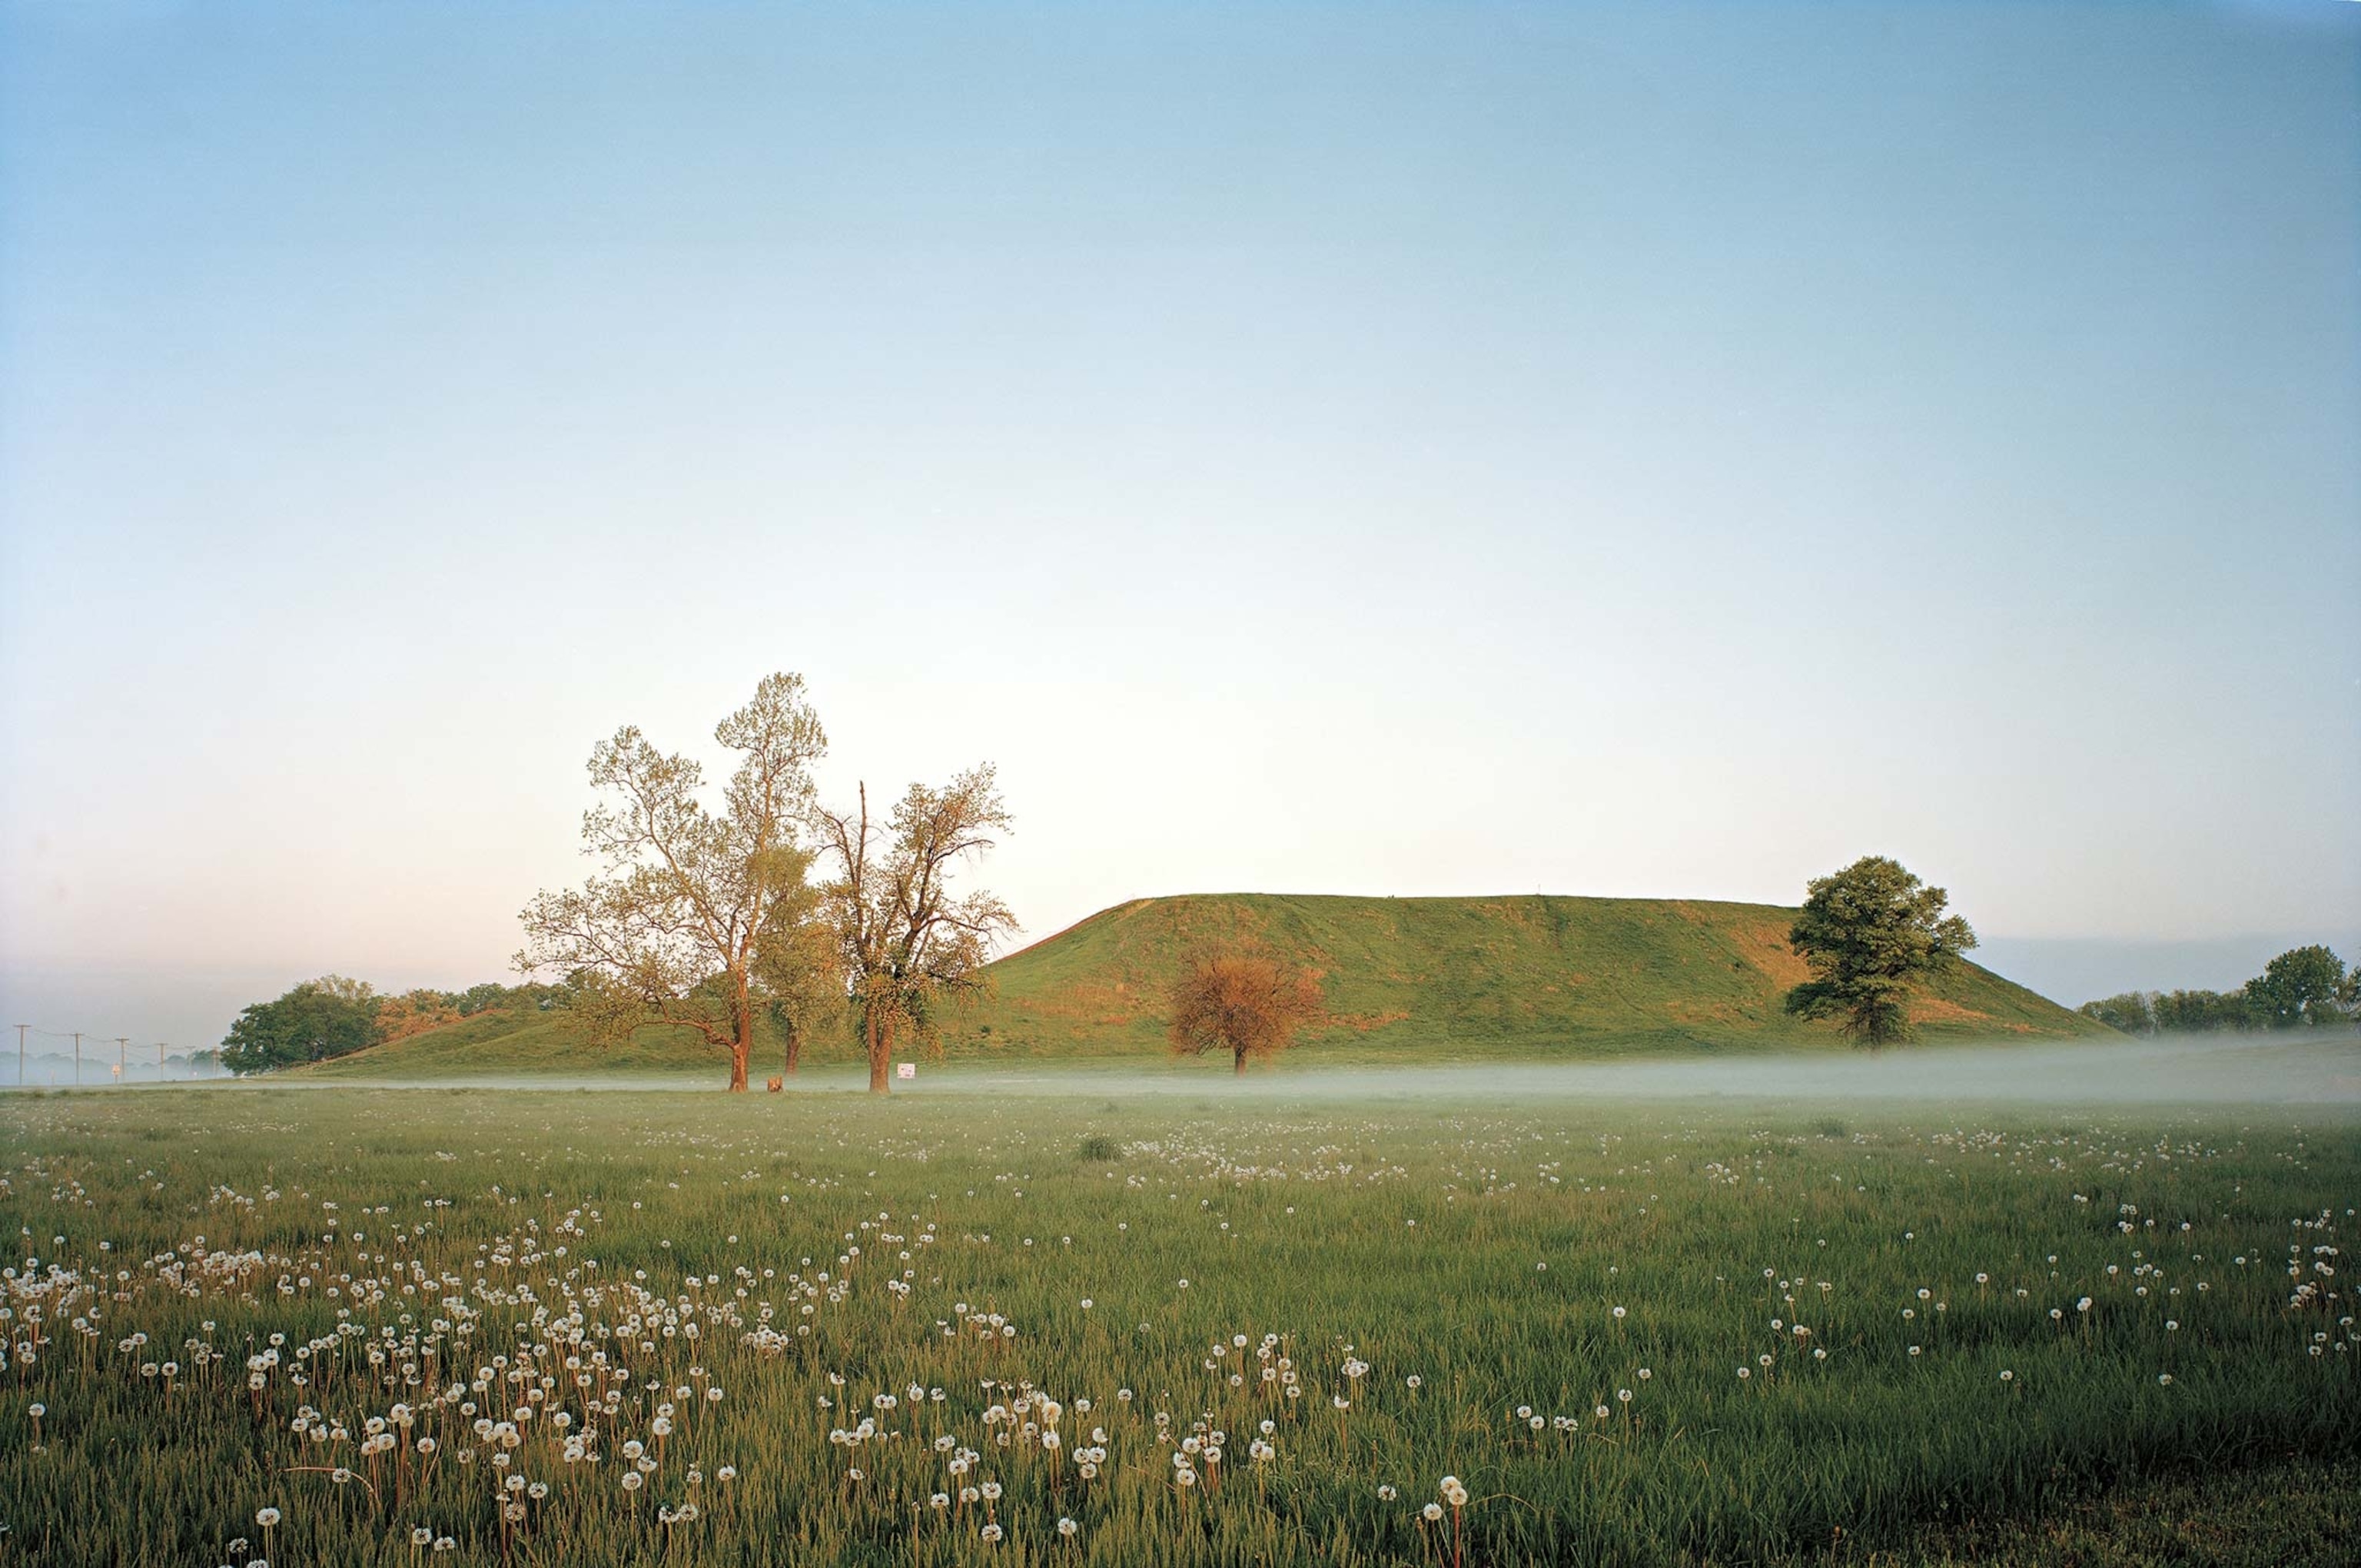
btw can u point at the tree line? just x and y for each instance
(2302, 987)
(335, 1016)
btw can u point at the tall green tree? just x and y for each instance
(331, 1016)
(670, 929)
(1870, 933)
(2302, 986)
(799, 973)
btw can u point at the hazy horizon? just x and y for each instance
(1648, 451)
(191, 1009)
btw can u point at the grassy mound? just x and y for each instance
(1406, 979)
(1527, 976)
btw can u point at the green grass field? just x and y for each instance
(1406, 980)
(617, 1327)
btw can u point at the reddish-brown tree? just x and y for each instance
(1246, 1004)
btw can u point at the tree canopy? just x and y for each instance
(799, 971)
(909, 945)
(331, 1016)
(2301, 987)
(670, 929)
(1247, 1004)
(1870, 933)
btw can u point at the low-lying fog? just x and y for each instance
(2277, 1069)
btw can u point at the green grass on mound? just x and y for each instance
(1406, 980)
(1467, 977)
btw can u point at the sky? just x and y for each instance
(1662, 449)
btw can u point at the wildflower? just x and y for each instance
(1432, 1512)
(1452, 1492)
(267, 1518)
(989, 1533)
(1069, 1529)
(422, 1536)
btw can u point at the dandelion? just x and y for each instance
(1069, 1529)
(1432, 1512)
(988, 1534)
(267, 1518)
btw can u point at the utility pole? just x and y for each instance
(122, 1055)
(20, 1054)
(77, 1058)
(159, 1057)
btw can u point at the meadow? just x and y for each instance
(387, 1326)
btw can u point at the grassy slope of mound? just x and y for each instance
(1521, 976)
(1430, 978)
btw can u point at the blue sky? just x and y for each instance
(1659, 449)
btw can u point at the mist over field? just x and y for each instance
(2194, 1071)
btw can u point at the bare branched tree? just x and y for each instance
(671, 930)
(1242, 1003)
(909, 946)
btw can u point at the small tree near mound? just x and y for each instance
(1868, 933)
(1245, 1004)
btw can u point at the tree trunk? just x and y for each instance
(795, 1047)
(1241, 1064)
(881, 1047)
(741, 1028)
